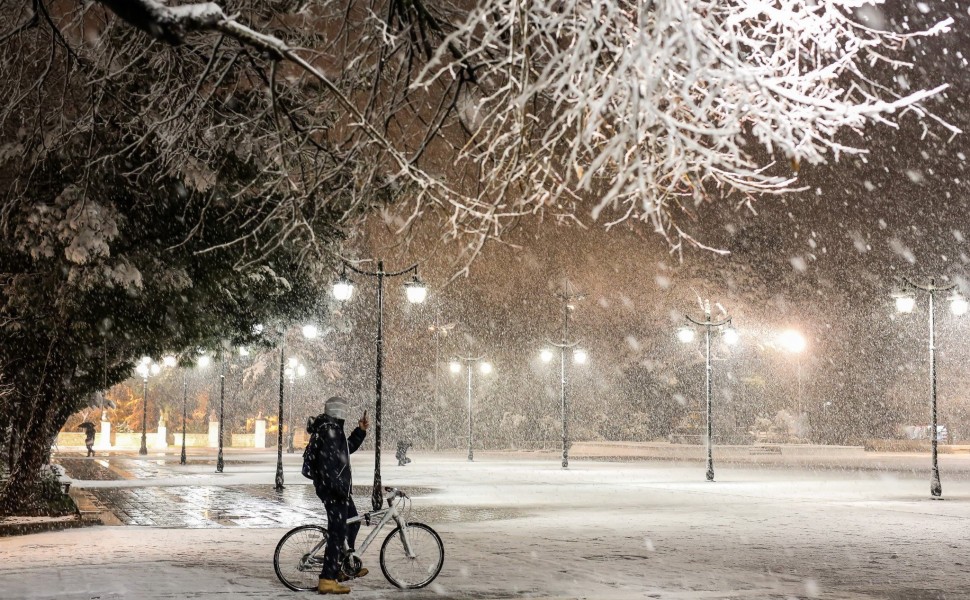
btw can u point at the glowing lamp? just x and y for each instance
(905, 304)
(416, 290)
(343, 289)
(959, 305)
(792, 341)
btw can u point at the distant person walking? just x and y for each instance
(331, 450)
(402, 452)
(88, 428)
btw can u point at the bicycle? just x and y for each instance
(411, 556)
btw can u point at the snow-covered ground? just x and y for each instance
(599, 530)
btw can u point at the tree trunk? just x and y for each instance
(22, 492)
(6, 436)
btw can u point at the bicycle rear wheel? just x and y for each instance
(404, 571)
(296, 567)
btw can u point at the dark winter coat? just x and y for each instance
(333, 450)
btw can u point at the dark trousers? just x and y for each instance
(338, 511)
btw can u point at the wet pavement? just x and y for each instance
(202, 507)
(89, 469)
(114, 468)
(215, 506)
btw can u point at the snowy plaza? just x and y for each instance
(662, 299)
(853, 527)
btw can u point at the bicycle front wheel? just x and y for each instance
(299, 557)
(418, 571)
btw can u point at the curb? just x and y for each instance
(88, 513)
(15, 529)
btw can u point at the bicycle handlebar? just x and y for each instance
(395, 493)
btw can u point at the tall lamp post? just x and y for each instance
(225, 351)
(579, 357)
(279, 417)
(145, 368)
(294, 370)
(905, 303)
(309, 331)
(730, 336)
(220, 463)
(416, 293)
(485, 368)
(185, 410)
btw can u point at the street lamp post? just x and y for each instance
(309, 332)
(416, 291)
(145, 368)
(579, 357)
(224, 350)
(485, 368)
(185, 404)
(905, 303)
(143, 450)
(730, 336)
(220, 463)
(292, 371)
(292, 362)
(279, 417)
(171, 362)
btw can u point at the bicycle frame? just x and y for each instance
(385, 515)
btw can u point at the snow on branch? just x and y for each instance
(170, 24)
(613, 110)
(653, 107)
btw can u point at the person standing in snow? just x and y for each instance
(333, 483)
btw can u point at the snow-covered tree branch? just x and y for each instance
(641, 109)
(472, 118)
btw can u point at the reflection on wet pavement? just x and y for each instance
(254, 506)
(112, 468)
(248, 506)
(89, 469)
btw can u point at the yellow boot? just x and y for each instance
(330, 586)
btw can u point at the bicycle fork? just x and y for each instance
(403, 529)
